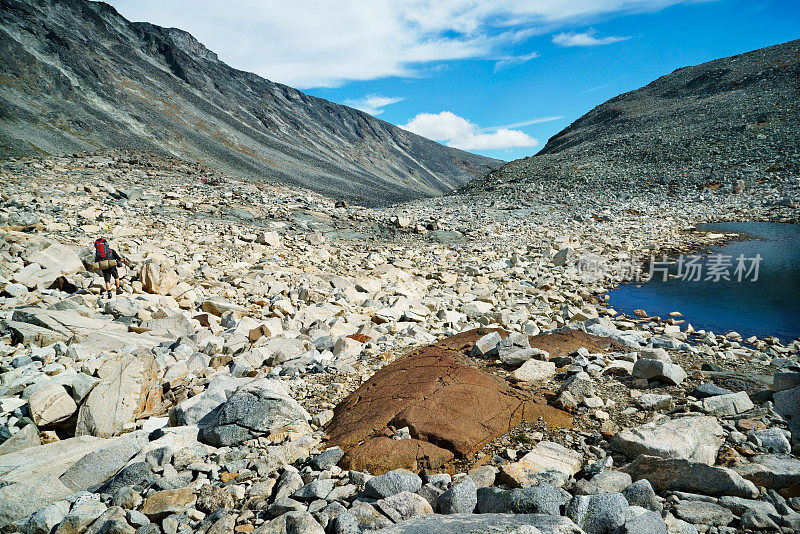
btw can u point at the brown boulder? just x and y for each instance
(567, 342)
(163, 503)
(375, 454)
(448, 404)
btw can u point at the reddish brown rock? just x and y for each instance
(164, 503)
(567, 342)
(374, 455)
(448, 404)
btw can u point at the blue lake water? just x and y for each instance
(768, 306)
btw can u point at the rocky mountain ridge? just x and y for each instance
(77, 76)
(708, 125)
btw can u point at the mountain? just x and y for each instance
(77, 76)
(711, 125)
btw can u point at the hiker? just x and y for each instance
(108, 259)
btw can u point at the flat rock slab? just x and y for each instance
(694, 438)
(567, 342)
(380, 454)
(29, 477)
(483, 523)
(771, 471)
(442, 398)
(692, 477)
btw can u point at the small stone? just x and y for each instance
(534, 371)
(212, 498)
(486, 346)
(606, 481)
(328, 458)
(163, 503)
(317, 489)
(668, 373)
(725, 405)
(641, 493)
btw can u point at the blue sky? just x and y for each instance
(494, 77)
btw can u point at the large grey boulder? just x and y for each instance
(29, 479)
(771, 471)
(486, 346)
(51, 404)
(542, 498)
(703, 513)
(598, 514)
(254, 410)
(68, 323)
(694, 477)
(668, 373)
(158, 276)
(393, 482)
(25, 438)
(641, 494)
(170, 327)
(787, 403)
(469, 523)
(26, 333)
(461, 498)
(606, 481)
(100, 465)
(647, 522)
(534, 371)
(404, 505)
(728, 404)
(84, 512)
(129, 385)
(694, 438)
(197, 410)
(547, 460)
(56, 257)
(44, 520)
(296, 521)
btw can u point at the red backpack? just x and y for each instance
(102, 249)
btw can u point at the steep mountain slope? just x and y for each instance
(711, 124)
(76, 76)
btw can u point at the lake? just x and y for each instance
(766, 302)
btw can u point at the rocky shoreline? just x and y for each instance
(203, 397)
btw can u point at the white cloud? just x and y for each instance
(373, 104)
(458, 132)
(312, 43)
(529, 122)
(585, 39)
(509, 61)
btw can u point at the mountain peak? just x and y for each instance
(80, 77)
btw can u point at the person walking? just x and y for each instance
(108, 259)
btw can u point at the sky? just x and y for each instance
(495, 77)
